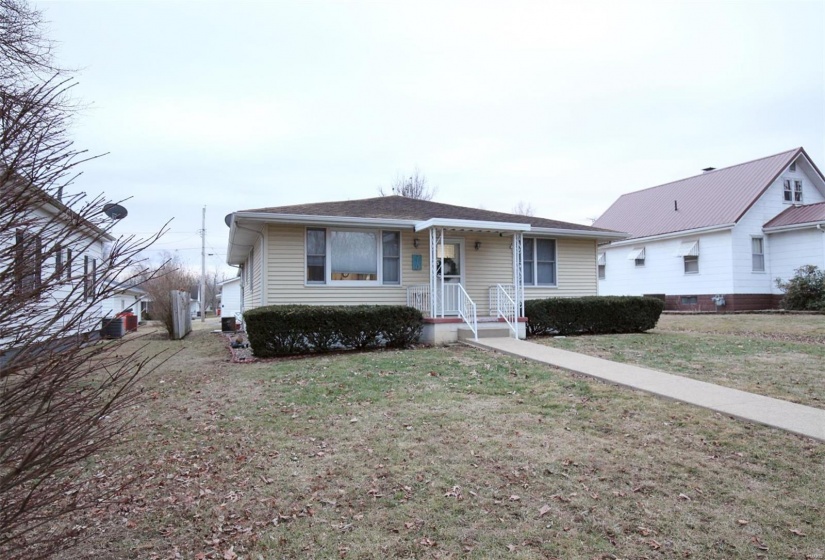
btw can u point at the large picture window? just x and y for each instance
(350, 256)
(539, 262)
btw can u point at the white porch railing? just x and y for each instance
(419, 298)
(505, 305)
(454, 301)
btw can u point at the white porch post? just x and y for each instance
(442, 272)
(518, 271)
(433, 275)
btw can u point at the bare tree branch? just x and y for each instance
(414, 186)
(65, 395)
(524, 209)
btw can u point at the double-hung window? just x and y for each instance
(539, 262)
(28, 255)
(758, 254)
(787, 191)
(602, 265)
(89, 277)
(797, 191)
(350, 256)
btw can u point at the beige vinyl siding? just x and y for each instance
(286, 274)
(492, 264)
(575, 270)
(252, 287)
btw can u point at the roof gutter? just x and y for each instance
(309, 219)
(790, 227)
(599, 235)
(672, 235)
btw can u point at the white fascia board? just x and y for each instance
(470, 224)
(791, 227)
(312, 220)
(598, 235)
(673, 235)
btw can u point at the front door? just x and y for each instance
(453, 274)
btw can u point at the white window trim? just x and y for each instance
(684, 264)
(534, 281)
(787, 187)
(798, 183)
(379, 282)
(764, 263)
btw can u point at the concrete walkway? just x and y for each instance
(796, 418)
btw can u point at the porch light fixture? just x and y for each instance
(477, 245)
(415, 243)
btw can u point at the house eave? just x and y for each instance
(672, 235)
(479, 225)
(600, 236)
(819, 224)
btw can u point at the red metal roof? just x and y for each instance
(715, 198)
(805, 214)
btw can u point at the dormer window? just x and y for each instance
(797, 191)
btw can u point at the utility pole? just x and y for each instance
(203, 267)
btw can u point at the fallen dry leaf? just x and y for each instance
(798, 533)
(544, 510)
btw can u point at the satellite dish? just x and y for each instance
(228, 220)
(115, 211)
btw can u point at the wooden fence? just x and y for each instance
(181, 318)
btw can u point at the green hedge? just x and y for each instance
(283, 330)
(592, 315)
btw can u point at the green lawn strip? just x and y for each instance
(447, 452)
(781, 369)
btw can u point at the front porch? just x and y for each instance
(475, 281)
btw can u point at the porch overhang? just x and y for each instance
(471, 225)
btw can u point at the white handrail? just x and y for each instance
(467, 309)
(506, 308)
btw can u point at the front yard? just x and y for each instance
(778, 356)
(449, 453)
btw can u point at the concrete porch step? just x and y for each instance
(496, 332)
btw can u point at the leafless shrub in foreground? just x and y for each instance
(65, 395)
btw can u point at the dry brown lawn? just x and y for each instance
(443, 453)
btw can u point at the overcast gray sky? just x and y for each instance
(563, 105)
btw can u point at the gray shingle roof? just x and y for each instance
(806, 214)
(714, 198)
(403, 208)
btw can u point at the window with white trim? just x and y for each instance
(787, 191)
(28, 254)
(757, 254)
(352, 256)
(89, 277)
(691, 264)
(797, 191)
(602, 265)
(539, 262)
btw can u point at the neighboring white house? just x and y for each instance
(133, 298)
(231, 297)
(719, 240)
(54, 257)
(468, 270)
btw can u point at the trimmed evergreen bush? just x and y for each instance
(592, 315)
(283, 330)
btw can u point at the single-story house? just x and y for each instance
(467, 270)
(132, 298)
(718, 240)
